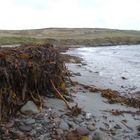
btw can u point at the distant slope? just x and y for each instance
(86, 36)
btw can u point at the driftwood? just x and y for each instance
(26, 73)
(60, 95)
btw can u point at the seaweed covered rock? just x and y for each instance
(26, 73)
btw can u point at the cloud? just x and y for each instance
(25, 14)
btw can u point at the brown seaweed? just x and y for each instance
(26, 73)
(114, 96)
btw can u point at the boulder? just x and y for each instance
(29, 108)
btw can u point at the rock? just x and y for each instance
(82, 131)
(63, 125)
(29, 121)
(59, 132)
(90, 71)
(72, 135)
(138, 128)
(84, 63)
(43, 122)
(77, 74)
(1, 130)
(79, 65)
(72, 124)
(44, 137)
(117, 126)
(18, 134)
(10, 124)
(88, 116)
(122, 86)
(91, 127)
(96, 72)
(70, 119)
(39, 116)
(50, 94)
(85, 138)
(25, 128)
(101, 136)
(72, 60)
(137, 95)
(33, 132)
(51, 126)
(57, 120)
(78, 120)
(29, 108)
(124, 78)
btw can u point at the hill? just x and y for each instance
(84, 36)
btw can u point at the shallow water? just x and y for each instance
(106, 66)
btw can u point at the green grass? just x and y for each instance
(20, 40)
(87, 36)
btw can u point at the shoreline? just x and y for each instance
(108, 54)
(98, 119)
(88, 94)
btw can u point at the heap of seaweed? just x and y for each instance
(26, 73)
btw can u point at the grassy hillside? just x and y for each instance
(87, 36)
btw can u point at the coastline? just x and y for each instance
(98, 118)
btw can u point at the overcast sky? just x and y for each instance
(28, 14)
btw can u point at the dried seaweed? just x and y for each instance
(26, 73)
(114, 96)
(121, 112)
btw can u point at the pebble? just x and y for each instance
(77, 74)
(29, 108)
(78, 120)
(101, 136)
(10, 124)
(84, 63)
(33, 132)
(63, 125)
(39, 116)
(44, 137)
(83, 131)
(51, 126)
(50, 95)
(88, 116)
(25, 128)
(124, 78)
(18, 133)
(117, 126)
(29, 121)
(85, 138)
(96, 72)
(138, 128)
(72, 61)
(91, 127)
(57, 120)
(37, 126)
(70, 119)
(59, 132)
(45, 121)
(72, 124)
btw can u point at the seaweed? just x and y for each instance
(113, 96)
(27, 72)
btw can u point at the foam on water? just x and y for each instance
(111, 64)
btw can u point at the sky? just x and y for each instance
(32, 14)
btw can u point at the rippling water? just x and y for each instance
(106, 66)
